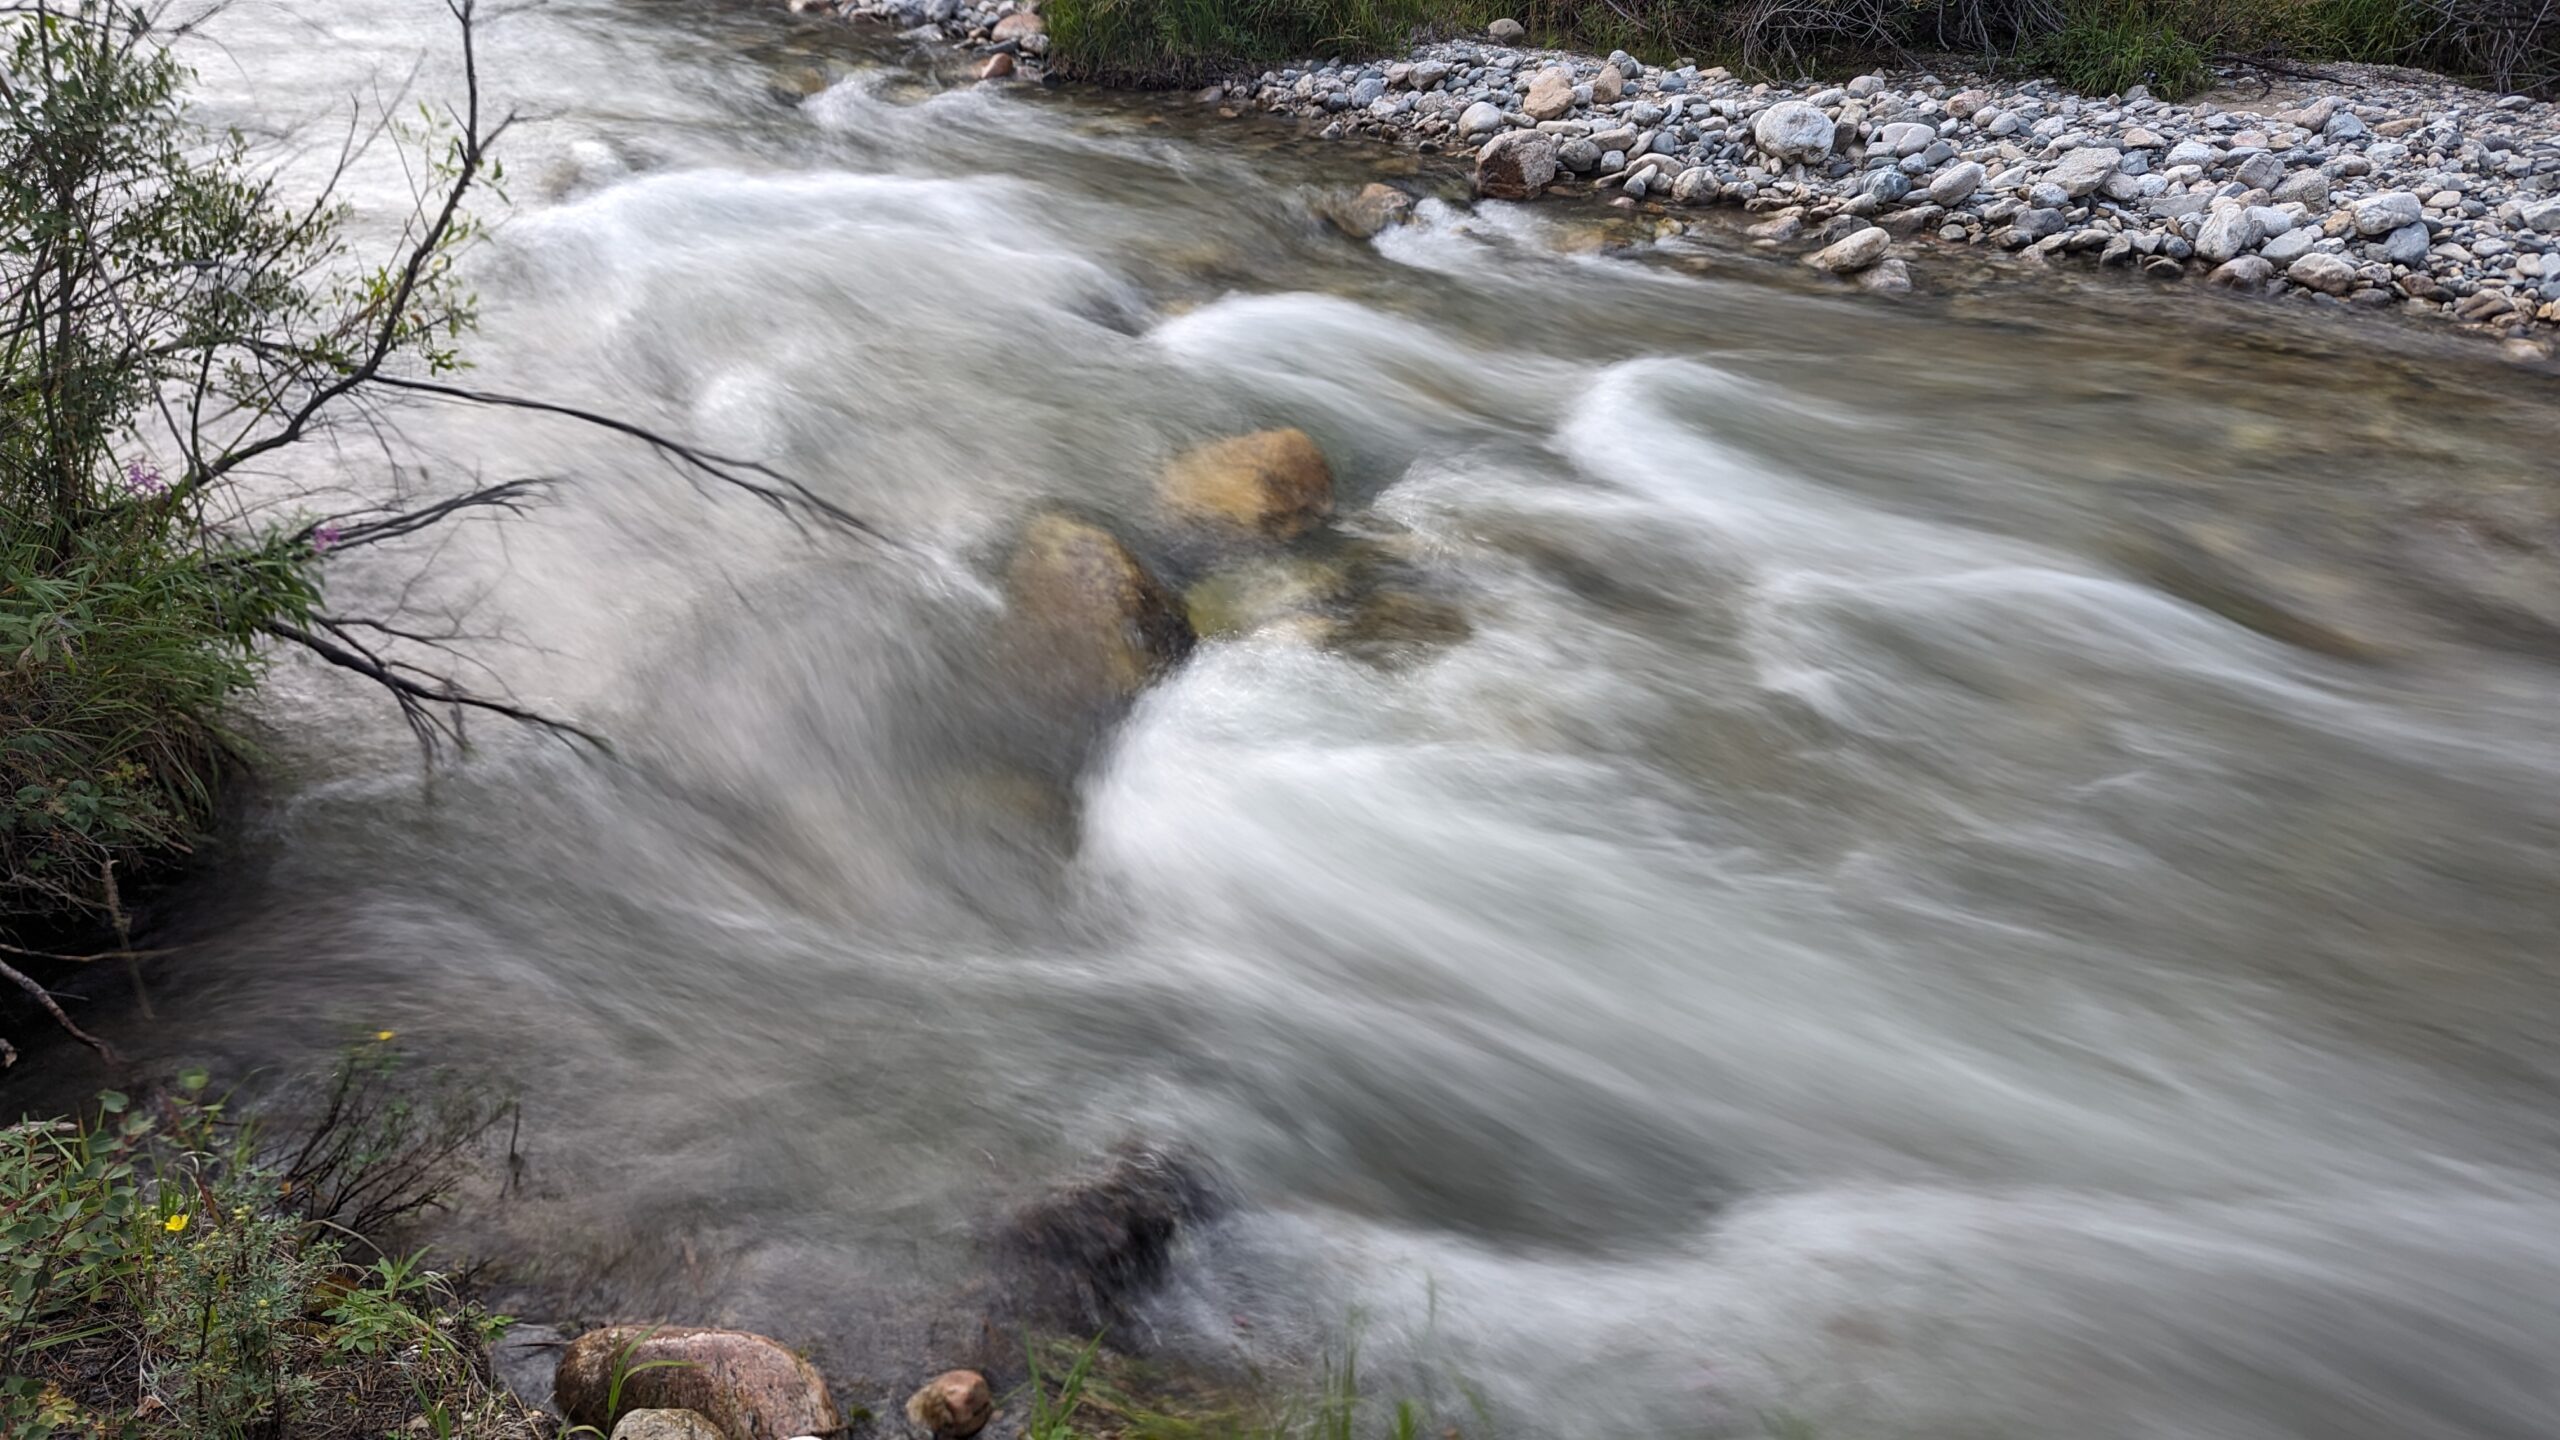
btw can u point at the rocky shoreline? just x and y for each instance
(2355, 186)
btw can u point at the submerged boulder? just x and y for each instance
(1272, 589)
(748, 1387)
(1271, 483)
(1376, 207)
(1077, 1256)
(1085, 614)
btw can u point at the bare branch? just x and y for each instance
(53, 1008)
(418, 699)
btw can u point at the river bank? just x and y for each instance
(2356, 186)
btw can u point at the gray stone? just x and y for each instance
(2228, 231)
(2328, 274)
(1794, 132)
(2290, 246)
(1480, 118)
(2261, 171)
(2192, 152)
(2304, 187)
(1579, 156)
(1905, 137)
(1889, 277)
(1859, 251)
(1506, 31)
(2381, 214)
(2082, 171)
(2542, 215)
(1367, 91)
(1696, 185)
(2244, 272)
(2406, 245)
(2037, 224)
(1888, 186)
(1955, 184)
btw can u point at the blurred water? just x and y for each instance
(1983, 868)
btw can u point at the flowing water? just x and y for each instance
(1980, 865)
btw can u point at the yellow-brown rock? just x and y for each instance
(1086, 617)
(953, 1405)
(1272, 483)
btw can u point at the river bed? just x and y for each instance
(1982, 863)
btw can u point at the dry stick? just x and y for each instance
(77, 959)
(45, 999)
(124, 938)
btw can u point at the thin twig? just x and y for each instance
(45, 998)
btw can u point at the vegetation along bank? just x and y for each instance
(2334, 184)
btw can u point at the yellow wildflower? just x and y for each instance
(175, 1223)
(380, 1035)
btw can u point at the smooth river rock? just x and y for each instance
(747, 1386)
(1854, 252)
(664, 1425)
(953, 1405)
(1550, 94)
(2328, 274)
(1795, 133)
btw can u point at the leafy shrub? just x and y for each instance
(1175, 42)
(2106, 48)
(152, 1269)
(2099, 46)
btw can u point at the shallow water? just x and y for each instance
(1983, 865)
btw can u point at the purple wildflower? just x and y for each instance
(323, 538)
(143, 478)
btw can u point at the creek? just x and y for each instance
(1981, 864)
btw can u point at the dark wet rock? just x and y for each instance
(748, 1386)
(525, 1358)
(1077, 1257)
